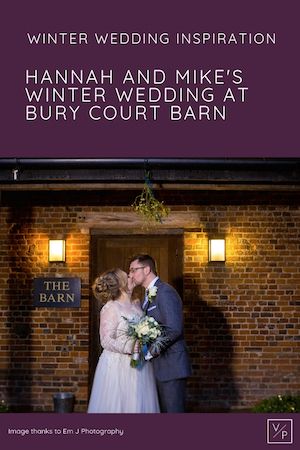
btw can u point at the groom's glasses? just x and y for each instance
(135, 269)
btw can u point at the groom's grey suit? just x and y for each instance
(172, 365)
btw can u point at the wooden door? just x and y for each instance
(116, 251)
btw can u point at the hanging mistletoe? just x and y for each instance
(148, 206)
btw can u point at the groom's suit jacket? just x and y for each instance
(166, 308)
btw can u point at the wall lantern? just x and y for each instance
(57, 250)
(216, 250)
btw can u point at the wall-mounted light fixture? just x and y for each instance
(216, 250)
(57, 250)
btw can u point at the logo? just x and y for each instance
(279, 431)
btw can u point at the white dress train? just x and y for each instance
(117, 387)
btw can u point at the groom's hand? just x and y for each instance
(148, 356)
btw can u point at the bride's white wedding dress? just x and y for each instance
(117, 387)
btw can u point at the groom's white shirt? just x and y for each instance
(148, 287)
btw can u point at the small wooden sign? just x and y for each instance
(57, 292)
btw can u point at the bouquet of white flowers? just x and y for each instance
(145, 332)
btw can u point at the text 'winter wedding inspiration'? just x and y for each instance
(191, 91)
(154, 38)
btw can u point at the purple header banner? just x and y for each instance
(156, 79)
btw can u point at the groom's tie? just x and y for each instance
(146, 301)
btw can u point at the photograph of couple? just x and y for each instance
(157, 382)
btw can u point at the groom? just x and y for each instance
(162, 302)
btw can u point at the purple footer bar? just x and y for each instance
(181, 431)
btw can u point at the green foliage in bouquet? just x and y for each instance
(147, 206)
(279, 404)
(147, 332)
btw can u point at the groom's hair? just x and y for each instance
(146, 260)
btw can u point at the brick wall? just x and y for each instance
(241, 317)
(43, 350)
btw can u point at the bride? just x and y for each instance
(117, 387)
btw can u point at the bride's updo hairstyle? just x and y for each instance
(109, 284)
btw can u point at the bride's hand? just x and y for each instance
(130, 285)
(136, 347)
